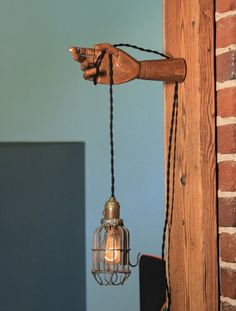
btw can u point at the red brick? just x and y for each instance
(225, 31)
(227, 176)
(226, 66)
(226, 102)
(225, 5)
(228, 247)
(228, 282)
(226, 139)
(227, 307)
(227, 212)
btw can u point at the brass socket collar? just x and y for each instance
(111, 209)
(112, 222)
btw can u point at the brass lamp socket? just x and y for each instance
(111, 209)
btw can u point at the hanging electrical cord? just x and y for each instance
(111, 128)
(141, 49)
(172, 141)
(169, 208)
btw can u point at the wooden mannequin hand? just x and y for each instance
(125, 67)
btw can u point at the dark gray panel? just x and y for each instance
(42, 227)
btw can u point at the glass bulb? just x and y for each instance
(112, 246)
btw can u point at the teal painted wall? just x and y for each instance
(44, 98)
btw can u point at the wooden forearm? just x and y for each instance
(167, 70)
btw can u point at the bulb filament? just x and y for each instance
(112, 252)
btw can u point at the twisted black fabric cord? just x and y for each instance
(111, 127)
(140, 49)
(173, 190)
(97, 66)
(172, 125)
(169, 208)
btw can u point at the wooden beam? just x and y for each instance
(189, 34)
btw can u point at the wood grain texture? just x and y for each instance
(189, 34)
(168, 70)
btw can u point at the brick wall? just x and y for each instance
(226, 147)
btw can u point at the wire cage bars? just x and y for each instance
(111, 247)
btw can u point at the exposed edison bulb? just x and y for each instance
(112, 246)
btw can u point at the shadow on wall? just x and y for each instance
(42, 227)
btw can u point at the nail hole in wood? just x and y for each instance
(183, 180)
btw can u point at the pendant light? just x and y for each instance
(111, 241)
(111, 247)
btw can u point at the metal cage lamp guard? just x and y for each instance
(111, 247)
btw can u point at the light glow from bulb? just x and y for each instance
(112, 249)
